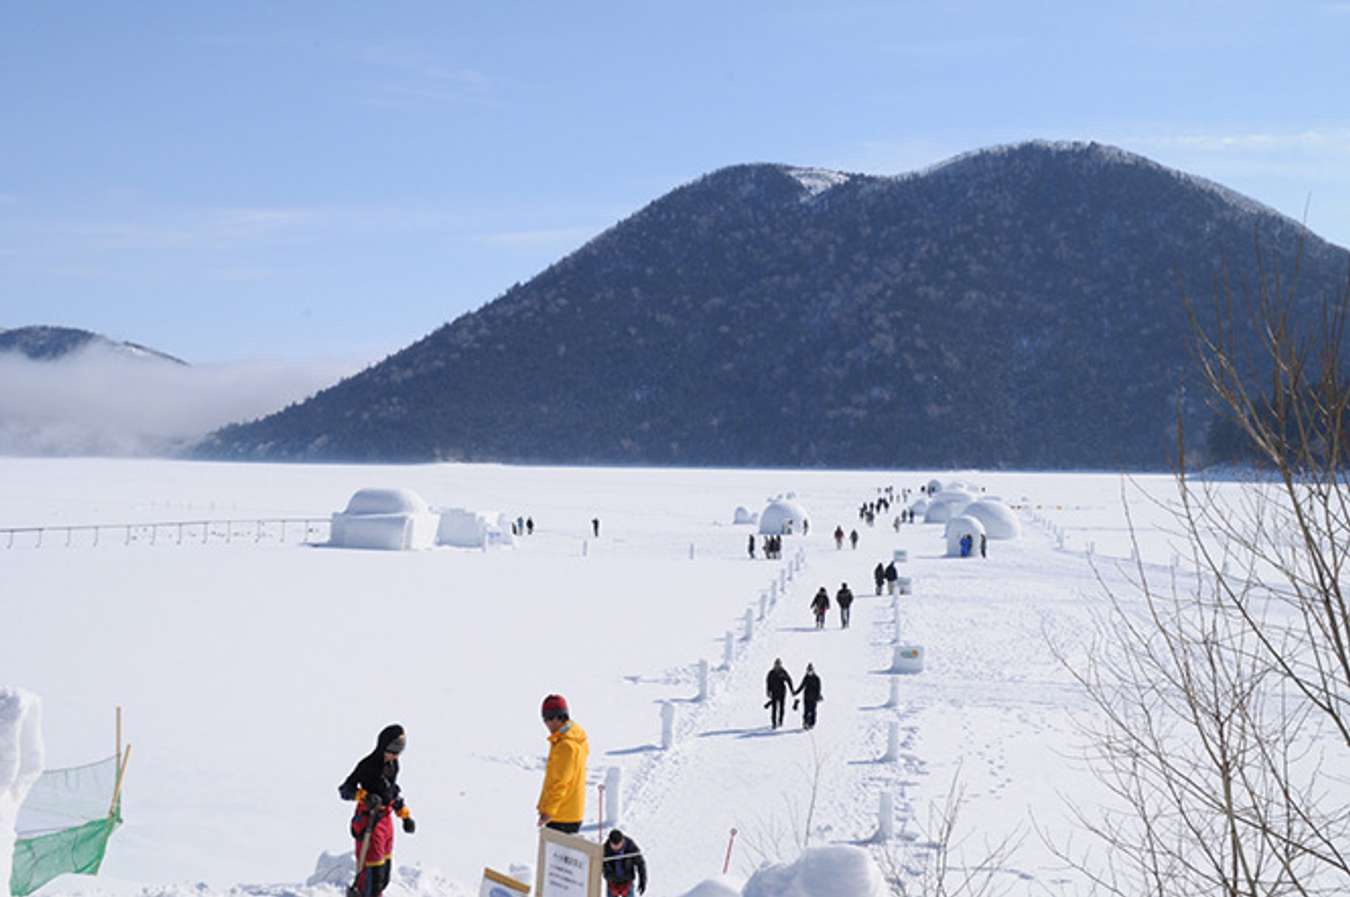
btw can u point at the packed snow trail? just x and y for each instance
(992, 705)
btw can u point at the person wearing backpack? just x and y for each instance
(820, 605)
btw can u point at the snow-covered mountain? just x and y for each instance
(44, 343)
(1018, 306)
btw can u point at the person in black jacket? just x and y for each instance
(892, 577)
(844, 598)
(777, 684)
(623, 863)
(879, 576)
(820, 605)
(373, 784)
(811, 696)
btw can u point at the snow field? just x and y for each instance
(255, 675)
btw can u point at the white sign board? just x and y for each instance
(568, 866)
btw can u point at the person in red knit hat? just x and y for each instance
(562, 800)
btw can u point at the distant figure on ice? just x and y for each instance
(897, 523)
(751, 546)
(373, 784)
(844, 598)
(984, 545)
(777, 684)
(811, 696)
(820, 605)
(966, 544)
(838, 537)
(520, 525)
(562, 800)
(892, 577)
(806, 526)
(853, 539)
(595, 527)
(622, 864)
(529, 526)
(879, 576)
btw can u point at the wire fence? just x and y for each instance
(275, 530)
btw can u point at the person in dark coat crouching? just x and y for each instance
(623, 864)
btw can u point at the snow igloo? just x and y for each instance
(782, 517)
(934, 487)
(960, 526)
(743, 516)
(946, 505)
(997, 518)
(387, 519)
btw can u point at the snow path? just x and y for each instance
(991, 706)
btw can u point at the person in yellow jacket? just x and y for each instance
(562, 801)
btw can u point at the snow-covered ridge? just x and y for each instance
(1101, 153)
(816, 180)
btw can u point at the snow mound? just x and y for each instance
(722, 886)
(782, 517)
(743, 516)
(387, 501)
(21, 757)
(388, 519)
(817, 180)
(959, 527)
(998, 519)
(835, 871)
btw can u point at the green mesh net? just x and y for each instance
(64, 825)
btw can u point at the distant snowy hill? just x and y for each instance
(1017, 306)
(41, 343)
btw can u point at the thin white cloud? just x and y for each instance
(413, 74)
(100, 402)
(542, 237)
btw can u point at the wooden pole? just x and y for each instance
(726, 864)
(121, 775)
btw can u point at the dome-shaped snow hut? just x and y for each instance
(742, 516)
(782, 517)
(391, 519)
(962, 526)
(997, 518)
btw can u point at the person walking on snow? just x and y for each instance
(844, 598)
(838, 538)
(752, 546)
(879, 576)
(373, 784)
(892, 577)
(811, 696)
(777, 684)
(622, 864)
(562, 800)
(529, 526)
(820, 605)
(984, 545)
(595, 526)
(853, 539)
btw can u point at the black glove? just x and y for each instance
(347, 792)
(408, 825)
(642, 887)
(795, 702)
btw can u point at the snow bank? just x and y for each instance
(722, 886)
(782, 516)
(20, 764)
(744, 517)
(836, 871)
(389, 519)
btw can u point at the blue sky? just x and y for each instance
(237, 180)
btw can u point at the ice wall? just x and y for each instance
(20, 765)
